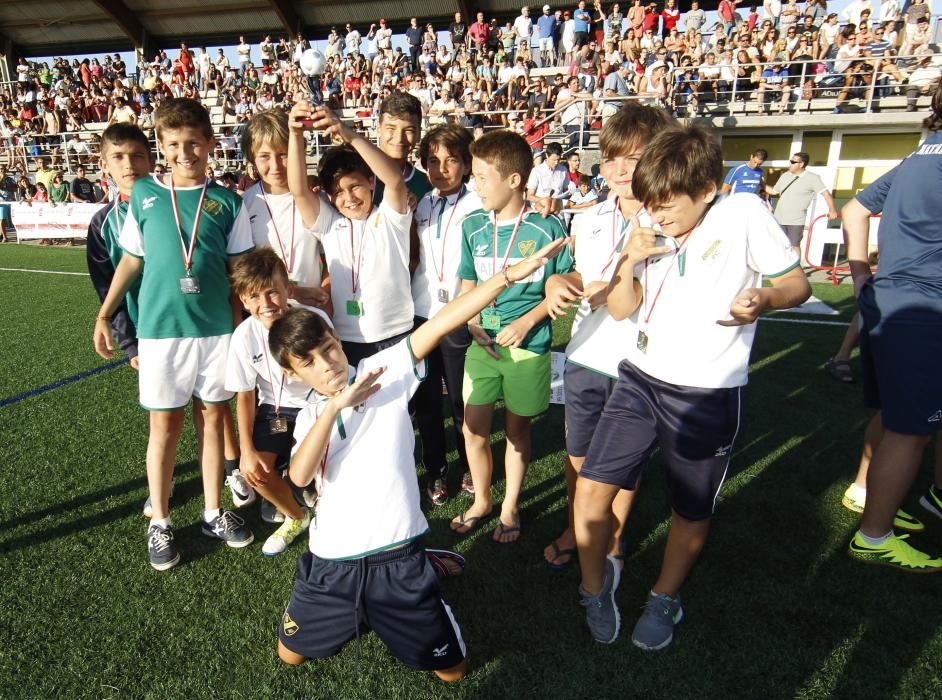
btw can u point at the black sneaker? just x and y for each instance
(230, 528)
(437, 492)
(161, 548)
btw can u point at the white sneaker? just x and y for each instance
(148, 509)
(281, 538)
(242, 493)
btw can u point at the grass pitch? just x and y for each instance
(774, 608)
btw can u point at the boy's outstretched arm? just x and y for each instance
(456, 313)
(308, 203)
(395, 193)
(127, 271)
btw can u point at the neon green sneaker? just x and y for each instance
(895, 552)
(902, 521)
(279, 540)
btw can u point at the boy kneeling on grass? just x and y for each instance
(680, 387)
(356, 444)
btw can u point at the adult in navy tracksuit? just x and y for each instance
(901, 339)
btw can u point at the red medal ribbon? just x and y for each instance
(288, 258)
(187, 254)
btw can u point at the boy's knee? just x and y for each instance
(289, 657)
(593, 497)
(455, 673)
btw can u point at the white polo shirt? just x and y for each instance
(737, 244)
(544, 180)
(368, 263)
(278, 225)
(599, 342)
(250, 365)
(438, 221)
(369, 496)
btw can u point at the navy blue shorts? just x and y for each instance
(586, 394)
(901, 373)
(394, 593)
(694, 428)
(276, 443)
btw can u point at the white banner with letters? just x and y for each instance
(44, 220)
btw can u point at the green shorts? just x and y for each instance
(521, 377)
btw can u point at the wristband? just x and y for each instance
(507, 283)
(103, 318)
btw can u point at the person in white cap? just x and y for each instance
(546, 26)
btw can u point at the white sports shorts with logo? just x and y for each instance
(174, 370)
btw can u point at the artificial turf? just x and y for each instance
(773, 609)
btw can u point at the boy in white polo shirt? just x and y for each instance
(272, 211)
(445, 154)
(693, 289)
(366, 565)
(366, 246)
(267, 402)
(598, 341)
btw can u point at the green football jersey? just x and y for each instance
(151, 232)
(479, 261)
(110, 230)
(417, 183)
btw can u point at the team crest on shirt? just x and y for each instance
(288, 625)
(712, 251)
(527, 248)
(212, 207)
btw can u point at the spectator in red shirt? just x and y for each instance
(670, 16)
(651, 17)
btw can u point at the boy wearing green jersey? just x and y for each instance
(510, 357)
(188, 230)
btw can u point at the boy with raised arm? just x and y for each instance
(186, 229)
(366, 246)
(366, 564)
(693, 289)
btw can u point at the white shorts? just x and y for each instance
(546, 44)
(174, 370)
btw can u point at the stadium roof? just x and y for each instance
(51, 27)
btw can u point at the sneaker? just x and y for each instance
(895, 552)
(281, 538)
(437, 492)
(230, 528)
(903, 520)
(309, 496)
(242, 493)
(467, 485)
(161, 548)
(932, 501)
(655, 628)
(601, 613)
(148, 509)
(270, 514)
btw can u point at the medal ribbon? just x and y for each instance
(281, 389)
(510, 245)
(187, 254)
(677, 251)
(289, 257)
(440, 270)
(616, 245)
(357, 254)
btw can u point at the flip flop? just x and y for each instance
(557, 553)
(472, 523)
(441, 558)
(502, 530)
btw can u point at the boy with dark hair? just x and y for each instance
(676, 283)
(598, 341)
(187, 229)
(356, 443)
(399, 128)
(510, 357)
(366, 245)
(445, 154)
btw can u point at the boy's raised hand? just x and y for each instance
(642, 243)
(358, 392)
(320, 118)
(746, 308)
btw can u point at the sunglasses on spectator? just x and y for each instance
(795, 162)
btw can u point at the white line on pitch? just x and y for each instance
(45, 272)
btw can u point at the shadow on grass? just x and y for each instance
(72, 516)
